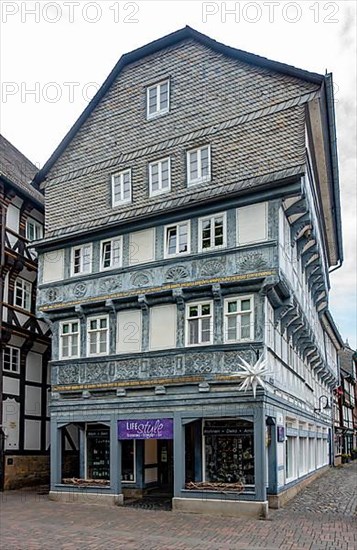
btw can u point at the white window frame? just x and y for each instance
(26, 288)
(69, 334)
(81, 272)
(200, 178)
(120, 260)
(166, 240)
(158, 112)
(98, 330)
(11, 349)
(37, 229)
(187, 319)
(121, 175)
(200, 231)
(161, 189)
(238, 314)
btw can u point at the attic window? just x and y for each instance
(158, 99)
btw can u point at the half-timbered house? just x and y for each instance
(25, 343)
(193, 216)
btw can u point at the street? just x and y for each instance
(321, 517)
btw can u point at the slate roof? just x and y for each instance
(346, 359)
(187, 33)
(157, 45)
(18, 170)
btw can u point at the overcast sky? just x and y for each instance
(55, 55)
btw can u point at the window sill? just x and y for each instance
(193, 183)
(158, 114)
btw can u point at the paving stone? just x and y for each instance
(321, 517)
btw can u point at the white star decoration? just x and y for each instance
(252, 374)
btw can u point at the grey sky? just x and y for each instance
(54, 56)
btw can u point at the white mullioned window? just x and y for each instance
(212, 232)
(11, 359)
(69, 339)
(98, 335)
(160, 176)
(81, 260)
(34, 230)
(199, 323)
(158, 99)
(177, 239)
(23, 293)
(121, 187)
(111, 252)
(199, 165)
(238, 319)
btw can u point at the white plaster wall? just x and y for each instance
(252, 223)
(34, 367)
(142, 246)
(53, 266)
(11, 386)
(163, 327)
(129, 331)
(32, 440)
(32, 400)
(11, 416)
(12, 222)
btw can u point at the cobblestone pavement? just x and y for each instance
(322, 517)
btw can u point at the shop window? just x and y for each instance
(98, 452)
(128, 460)
(229, 451)
(290, 458)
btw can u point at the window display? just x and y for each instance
(128, 460)
(229, 451)
(98, 453)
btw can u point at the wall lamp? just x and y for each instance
(327, 405)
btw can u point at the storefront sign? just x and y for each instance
(157, 428)
(228, 430)
(280, 434)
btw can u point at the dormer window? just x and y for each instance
(158, 99)
(121, 188)
(199, 165)
(159, 177)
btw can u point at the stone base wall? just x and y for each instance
(217, 507)
(86, 497)
(129, 492)
(26, 470)
(278, 501)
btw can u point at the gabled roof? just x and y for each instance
(155, 46)
(18, 170)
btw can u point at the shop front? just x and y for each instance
(201, 461)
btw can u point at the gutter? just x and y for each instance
(334, 163)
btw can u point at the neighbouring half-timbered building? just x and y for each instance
(25, 341)
(192, 218)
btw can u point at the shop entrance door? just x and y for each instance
(165, 466)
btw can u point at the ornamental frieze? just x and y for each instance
(161, 366)
(252, 261)
(139, 280)
(110, 285)
(200, 363)
(231, 359)
(177, 273)
(213, 267)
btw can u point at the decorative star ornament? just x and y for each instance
(253, 375)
